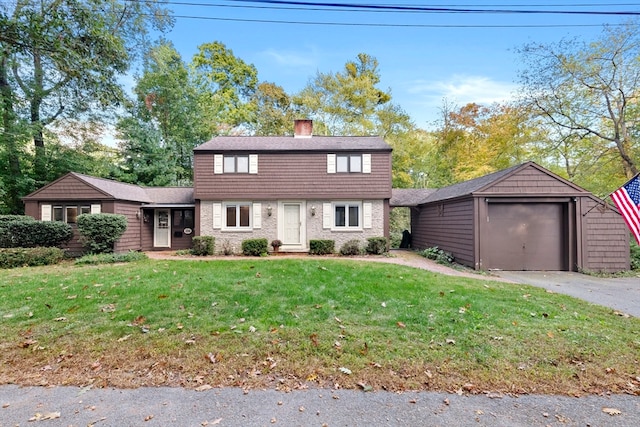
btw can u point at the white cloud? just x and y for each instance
(462, 89)
(290, 58)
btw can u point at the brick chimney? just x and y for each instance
(302, 128)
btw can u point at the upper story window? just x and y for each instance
(235, 163)
(349, 163)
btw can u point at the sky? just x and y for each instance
(464, 54)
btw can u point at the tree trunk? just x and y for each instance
(8, 139)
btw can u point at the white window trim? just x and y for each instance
(331, 163)
(220, 216)
(346, 227)
(218, 164)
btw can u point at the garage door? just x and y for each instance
(526, 236)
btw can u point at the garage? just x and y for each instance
(518, 219)
(526, 236)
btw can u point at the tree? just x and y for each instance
(273, 113)
(475, 140)
(227, 84)
(347, 102)
(62, 58)
(169, 119)
(588, 92)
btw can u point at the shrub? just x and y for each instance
(5, 233)
(351, 247)
(111, 258)
(203, 245)
(22, 257)
(635, 256)
(23, 233)
(321, 247)
(376, 245)
(438, 255)
(254, 247)
(7, 218)
(275, 244)
(100, 231)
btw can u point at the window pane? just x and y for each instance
(229, 164)
(342, 164)
(353, 216)
(244, 216)
(58, 214)
(231, 216)
(340, 216)
(243, 164)
(355, 164)
(85, 210)
(72, 214)
(188, 219)
(177, 218)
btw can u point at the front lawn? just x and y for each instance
(296, 323)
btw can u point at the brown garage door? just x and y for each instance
(526, 236)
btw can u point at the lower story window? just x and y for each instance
(237, 215)
(347, 215)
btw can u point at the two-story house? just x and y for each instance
(294, 188)
(290, 188)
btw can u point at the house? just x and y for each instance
(521, 218)
(292, 188)
(157, 218)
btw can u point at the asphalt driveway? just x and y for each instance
(620, 294)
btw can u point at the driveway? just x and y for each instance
(620, 293)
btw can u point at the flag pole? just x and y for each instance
(604, 199)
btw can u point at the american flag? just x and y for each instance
(627, 199)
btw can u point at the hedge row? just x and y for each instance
(29, 257)
(25, 232)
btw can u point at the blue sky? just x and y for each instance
(423, 57)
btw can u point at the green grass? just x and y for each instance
(288, 322)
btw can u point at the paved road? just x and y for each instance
(72, 406)
(621, 294)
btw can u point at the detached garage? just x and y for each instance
(521, 218)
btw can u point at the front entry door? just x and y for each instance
(292, 224)
(162, 229)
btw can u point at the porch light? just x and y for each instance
(313, 210)
(269, 210)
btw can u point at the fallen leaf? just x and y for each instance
(148, 418)
(314, 339)
(337, 320)
(301, 409)
(124, 338)
(365, 387)
(204, 387)
(612, 411)
(345, 371)
(401, 325)
(72, 296)
(384, 304)
(5, 405)
(450, 341)
(60, 319)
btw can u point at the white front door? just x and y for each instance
(162, 232)
(291, 225)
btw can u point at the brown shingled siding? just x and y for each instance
(68, 186)
(130, 240)
(531, 180)
(293, 175)
(607, 237)
(449, 226)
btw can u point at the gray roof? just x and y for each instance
(170, 195)
(121, 191)
(293, 144)
(409, 196)
(469, 187)
(117, 190)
